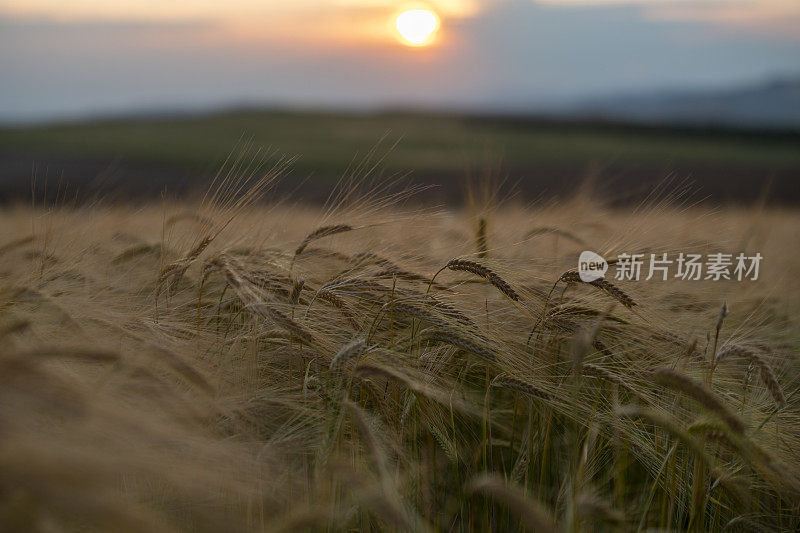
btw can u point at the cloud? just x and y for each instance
(534, 50)
(776, 17)
(757, 16)
(516, 54)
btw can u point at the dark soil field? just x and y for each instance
(125, 159)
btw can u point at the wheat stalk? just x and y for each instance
(297, 288)
(590, 507)
(177, 269)
(449, 311)
(485, 272)
(319, 233)
(545, 230)
(602, 373)
(701, 394)
(353, 349)
(535, 518)
(572, 276)
(480, 239)
(341, 306)
(416, 312)
(767, 374)
(454, 339)
(284, 321)
(508, 382)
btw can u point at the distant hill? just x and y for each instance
(774, 104)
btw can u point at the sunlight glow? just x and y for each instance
(417, 26)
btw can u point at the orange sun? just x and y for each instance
(417, 26)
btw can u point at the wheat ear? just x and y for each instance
(319, 233)
(485, 272)
(698, 392)
(532, 514)
(767, 374)
(572, 276)
(507, 382)
(348, 351)
(449, 337)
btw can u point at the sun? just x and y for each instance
(417, 26)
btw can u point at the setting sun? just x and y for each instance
(417, 26)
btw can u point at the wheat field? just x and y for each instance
(238, 363)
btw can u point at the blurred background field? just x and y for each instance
(138, 157)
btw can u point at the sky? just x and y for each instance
(92, 57)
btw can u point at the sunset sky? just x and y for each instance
(96, 56)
